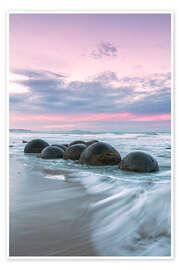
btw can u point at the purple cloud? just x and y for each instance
(57, 96)
(39, 73)
(104, 49)
(105, 77)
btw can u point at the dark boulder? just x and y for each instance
(23, 141)
(51, 152)
(74, 151)
(65, 144)
(35, 146)
(77, 142)
(139, 162)
(62, 146)
(100, 154)
(91, 142)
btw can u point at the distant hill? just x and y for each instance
(80, 132)
(20, 130)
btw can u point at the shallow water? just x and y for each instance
(131, 212)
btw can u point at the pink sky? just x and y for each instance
(129, 54)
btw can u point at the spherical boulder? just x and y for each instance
(139, 162)
(35, 146)
(51, 152)
(62, 146)
(77, 142)
(91, 142)
(100, 154)
(74, 151)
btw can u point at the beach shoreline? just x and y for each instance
(58, 225)
(59, 208)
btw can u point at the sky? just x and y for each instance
(96, 72)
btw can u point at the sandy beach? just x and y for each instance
(48, 218)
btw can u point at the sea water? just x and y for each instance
(133, 217)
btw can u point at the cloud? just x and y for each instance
(104, 49)
(149, 83)
(54, 95)
(38, 73)
(105, 77)
(153, 104)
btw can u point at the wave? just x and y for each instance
(134, 222)
(85, 132)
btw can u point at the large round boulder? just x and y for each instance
(74, 151)
(100, 154)
(51, 152)
(35, 146)
(62, 146)
(139, 162)
(77, 142)
(91, 142)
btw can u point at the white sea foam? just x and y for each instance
(134, 222)
(56, 177)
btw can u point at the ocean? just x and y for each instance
(61, 208)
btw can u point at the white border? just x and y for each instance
(172, 138)
(95, 258)
(91, 11)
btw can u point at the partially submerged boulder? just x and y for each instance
(73, 152)
(91, 142)
(77, 142)
(100, 154)
(139, 162)
(51, 152)
(62, 146)
(35, 146)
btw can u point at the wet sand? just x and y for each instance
(48, 217)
